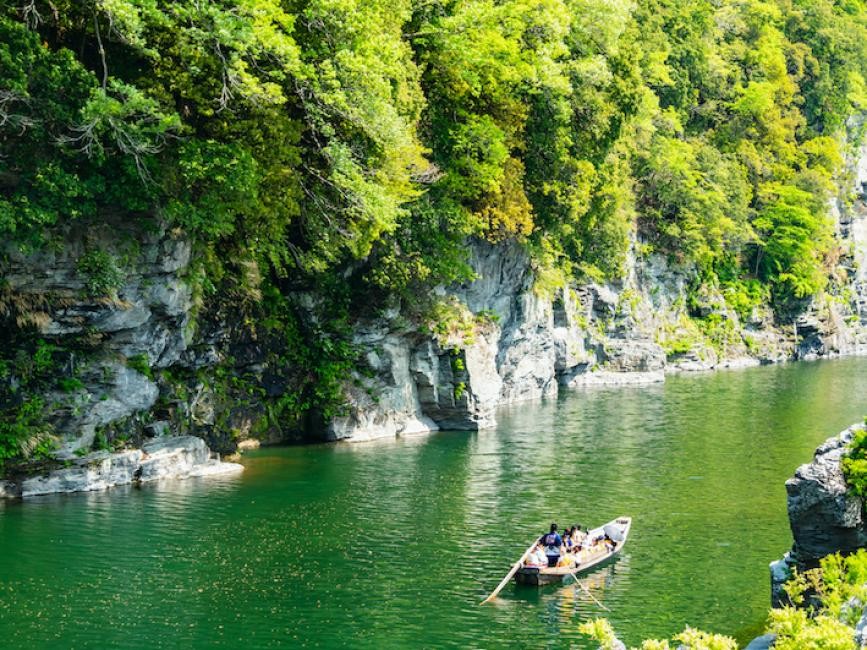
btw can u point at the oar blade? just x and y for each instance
(509, 575)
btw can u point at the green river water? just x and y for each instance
(393, 544)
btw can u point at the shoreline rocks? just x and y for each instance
(516, 345)
(164, 458)
(824, 517)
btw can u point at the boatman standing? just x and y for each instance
(552, 543)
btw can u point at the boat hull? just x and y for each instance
(537, 577)
(532, 576)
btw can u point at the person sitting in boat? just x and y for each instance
(567, 561)
(568, 558)
(537, 557)
(552, 542)
(578, 535)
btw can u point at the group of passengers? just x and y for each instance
(568, 550)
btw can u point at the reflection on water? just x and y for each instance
(394, 544)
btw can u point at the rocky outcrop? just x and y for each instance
(128, 302)
(764, 642)
(166, 458)
(512, 345)
(824, 516)
(132, 295)
(516, 343)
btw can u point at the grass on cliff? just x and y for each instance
(822, 614)
(854, 463)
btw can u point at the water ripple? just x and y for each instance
(394, 544)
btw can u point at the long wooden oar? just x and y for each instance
(587, 591)
(509, 575)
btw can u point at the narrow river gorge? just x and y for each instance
(393, 544)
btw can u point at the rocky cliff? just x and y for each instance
(512, 340)
(824, 516)
(144, 320)
(141, 356)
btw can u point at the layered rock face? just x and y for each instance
(115, 341)
(146, 319)
(825, 518)
(525, 343)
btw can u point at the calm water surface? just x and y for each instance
(393, 545)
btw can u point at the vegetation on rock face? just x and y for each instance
(854, 463)
(826, 605)
(32, 366)
(349, 147)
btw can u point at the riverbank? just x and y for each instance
(512, 334)
(532, 346)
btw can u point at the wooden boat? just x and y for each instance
(616, 530)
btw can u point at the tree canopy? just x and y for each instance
(316, 135)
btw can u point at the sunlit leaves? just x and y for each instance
(854, 463)
(323, 134)
(794, 237)
(122, 120)
(216, 182)
(361, 101)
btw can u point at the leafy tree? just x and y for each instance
(350, 148)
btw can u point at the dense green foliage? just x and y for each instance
(23, 430)
(352, 146)
(854, 463)
(822, 615)
(310, 134)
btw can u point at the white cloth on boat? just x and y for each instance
(614, 532)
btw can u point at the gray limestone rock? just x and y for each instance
(146, 315)
(608, 378)
(384, 402)
(172, 457)
(764, 642)
(9, 490)
(96, 472)
(114, 392)
(176, 458)
(861, 630)
(823, 516)
(633, 355)
(781, 570)
(157, 429)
